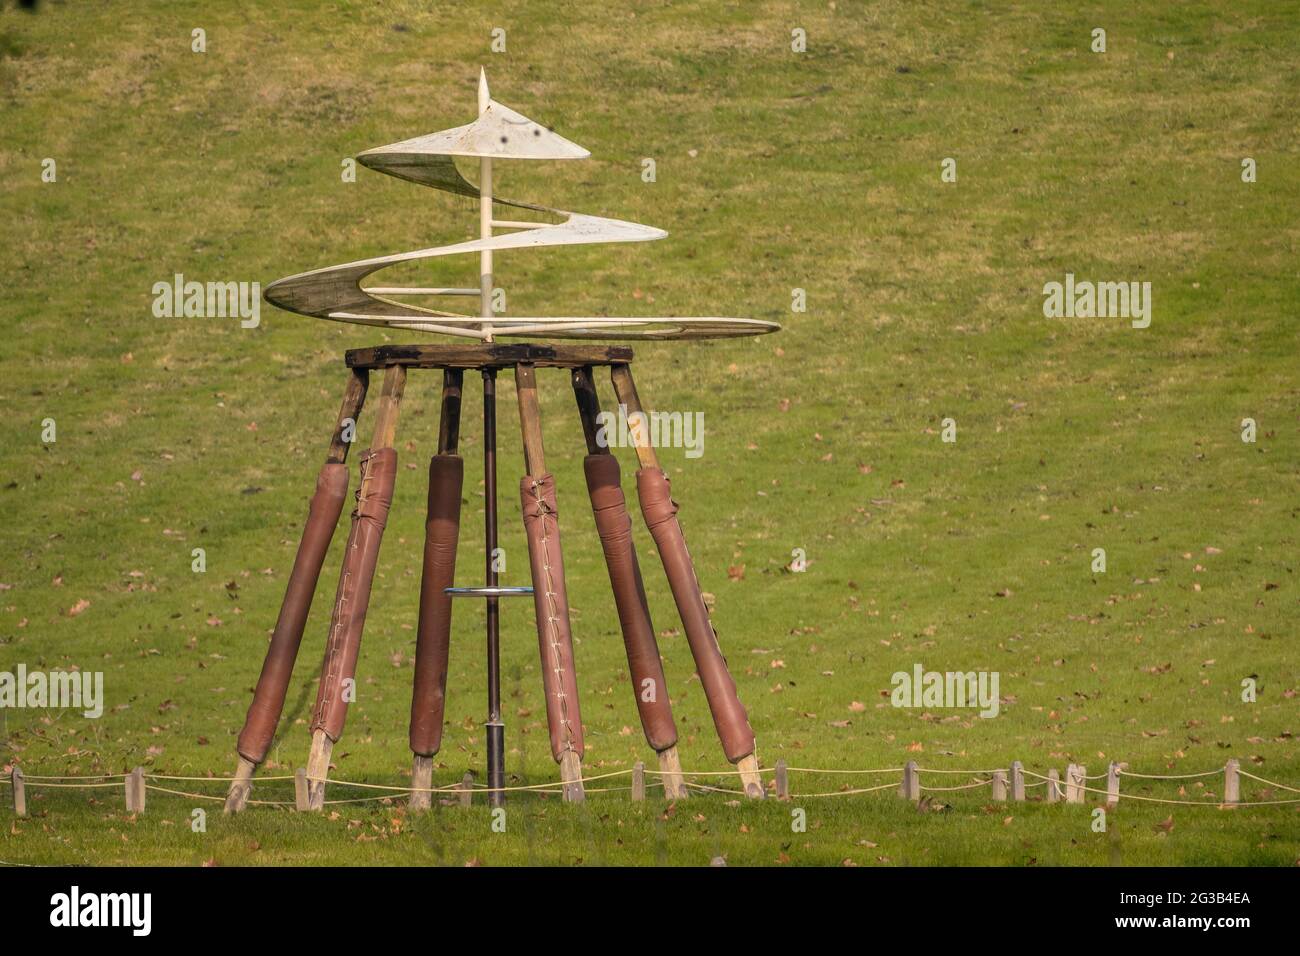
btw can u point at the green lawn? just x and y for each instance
(775, 171)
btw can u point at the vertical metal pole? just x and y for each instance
(496, 767)
(485, 216)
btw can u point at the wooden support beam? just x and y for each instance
(354, 398)
(670, 768)
(421, 784)
(530, 424)
(241, 786)
(466, 787)
(318, 769)
(494, 355)
(584, 390)
(571, 777)
(1017, 781)
(625, 389)
(530, 420)
(385, 433)
(750, 778)
(1053, 786)
(449, 422)
(390, 402)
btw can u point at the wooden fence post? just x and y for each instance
(910, 789)
(1075, 782)
(1112, 784)
(1053, 786)
(466, 789)
(1232, 781)
(1017, 780)
(638, 781)
(1000, 785)
(20, 792)
(300, 797)
(135, 791)
(782, 780)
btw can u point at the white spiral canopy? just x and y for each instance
(499, 133)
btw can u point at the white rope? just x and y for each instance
(1169, 776)
(163, 776)
(713, 773)
(41, 785)
(1280, 786)
(39, 781)
(1063, 785)
(814, 770)
(967, 772)
(209, 796)
(845, 793)
(969, 786)
(92, 776)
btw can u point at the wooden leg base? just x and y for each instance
(571, 776)
(751, 782)
(318, 768)
(241, 786)
(421, 784)
(670, 765)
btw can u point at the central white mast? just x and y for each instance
(485, 216)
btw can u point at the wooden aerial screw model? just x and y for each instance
(336, 293)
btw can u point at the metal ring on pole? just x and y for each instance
(488, 592)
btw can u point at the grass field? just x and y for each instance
(776, 170)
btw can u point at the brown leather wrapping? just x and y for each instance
(374, 496)
(273, 684)
(615, 529)
(551, 602)
(660, 513)
(433, 639)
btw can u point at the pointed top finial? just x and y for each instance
(483, 97)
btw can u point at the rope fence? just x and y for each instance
(1006, 783)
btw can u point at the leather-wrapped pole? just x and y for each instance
(273, 684)
(615, 529)
(433, 638)
(374, 496)
(551, 603)
(660, 513)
